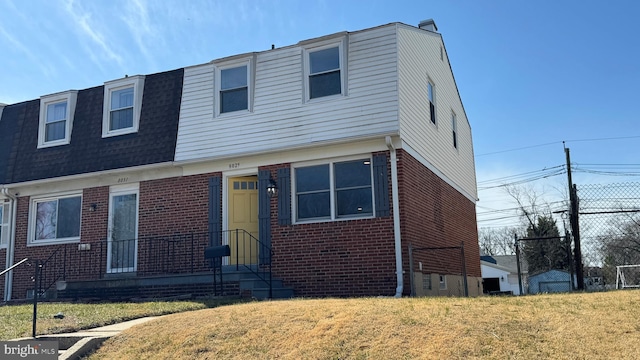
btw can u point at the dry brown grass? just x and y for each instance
(571, 326)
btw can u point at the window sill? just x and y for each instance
(233, 114)
(119, 132)
(325, 98)
(52, 242)
(316, 221)
(53, 143)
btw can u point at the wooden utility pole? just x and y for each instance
(575, 223)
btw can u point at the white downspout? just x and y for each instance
(396, 217)
(8, 280)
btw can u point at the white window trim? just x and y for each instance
(332, 190)
(4, 226)
(250, 85)
(137, 82)
(434, 120)
(31, 241)
(443, 282)
(342, 51)
(454, 130)
(70, 97)
(117, 190)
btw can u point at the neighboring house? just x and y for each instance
(551, 281)
(500, 274)
(594, 278)
(317, 163)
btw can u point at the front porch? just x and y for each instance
(160, 267)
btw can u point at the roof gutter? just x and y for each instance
(396, 217)
(8, 282)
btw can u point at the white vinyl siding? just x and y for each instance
(281, 118)
(419, 62)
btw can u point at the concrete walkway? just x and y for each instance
(76, 344)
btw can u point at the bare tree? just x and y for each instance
(498, 241)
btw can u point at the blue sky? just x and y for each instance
(531, 73)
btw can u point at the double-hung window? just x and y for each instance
(234, 89)
(334, 190)
(432, 102)
(122, 105)
(55, 219)
(325, 70)
(4, 224)
(121, 109)
(233, 84)
(454, 128)
(56, 118)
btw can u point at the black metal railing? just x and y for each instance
(153, 256)
(250, 253)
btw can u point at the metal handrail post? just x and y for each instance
(36, 286)
(237, 252)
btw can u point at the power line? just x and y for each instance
(559, 142)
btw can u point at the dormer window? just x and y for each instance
(122, 104)
(121, 109)
(325, 72)
(56, 118)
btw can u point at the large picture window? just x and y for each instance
(55, 219)
(334, 190)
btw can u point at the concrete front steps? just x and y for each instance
(259, 289)
(241, 282)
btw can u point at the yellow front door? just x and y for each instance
(243, 215)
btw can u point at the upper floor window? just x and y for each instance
(122, 105)
(4, 224)
(233, 83)
(334, 190)
(325, 73)
(432, 102)
(56, 118)
(234, 89)
(454, 128)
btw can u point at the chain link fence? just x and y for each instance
(610, 233)
(545, 264)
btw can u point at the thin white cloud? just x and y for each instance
(46, 70)
(88, 28)
(137, 18)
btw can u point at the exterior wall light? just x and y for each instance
(272, 188)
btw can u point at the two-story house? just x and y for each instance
(319, 164)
